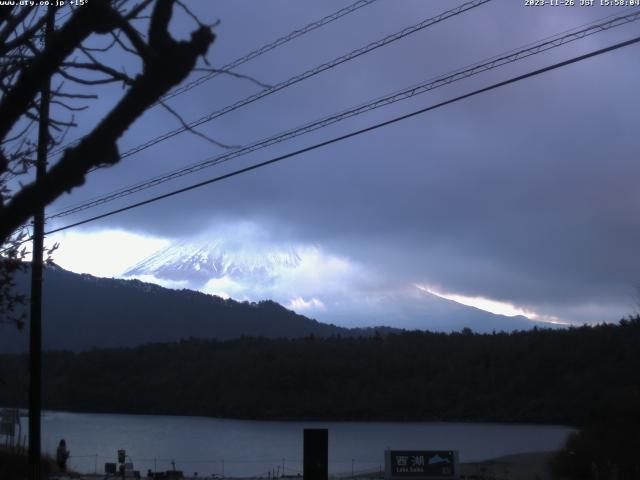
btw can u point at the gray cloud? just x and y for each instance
(527, 194)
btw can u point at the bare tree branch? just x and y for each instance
(234, 74)
(12, 23)
(192, 130)
(93, 17)
(135, 11)
(75, 95)
(190, 13)
(124, 46)
(98, 67)
(167, 63)
(19, 134)
(102, 49)
(140, 47)
(69, 107)
(84, 81)
(20, 39)
(5, 13)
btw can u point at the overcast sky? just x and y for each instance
(526, 195)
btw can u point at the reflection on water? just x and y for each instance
(246, 448)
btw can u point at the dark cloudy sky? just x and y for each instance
(525, 195)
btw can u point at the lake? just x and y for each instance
(255, 448)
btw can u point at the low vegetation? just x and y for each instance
(606, 448)
(13, 465)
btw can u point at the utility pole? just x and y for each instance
(35, 337)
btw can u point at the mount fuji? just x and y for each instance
(313, 283)
(198, 263)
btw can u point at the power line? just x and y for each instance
(355, 133)
(305, 75)
(266, 48)
(254, 54)
(308, 74)
(493, 62)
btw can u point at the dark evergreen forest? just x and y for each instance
(573, 376)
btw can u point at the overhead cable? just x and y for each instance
(352, 134)
(253, 54)
(308, 74)
(494, 62)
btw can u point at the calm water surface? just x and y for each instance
(243, 447)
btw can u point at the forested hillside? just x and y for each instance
(551, 376)
(82, 312)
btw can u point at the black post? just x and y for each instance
(35, 338)
(316, 454)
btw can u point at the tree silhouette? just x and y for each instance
(72, 57)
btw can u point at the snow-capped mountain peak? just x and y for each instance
(197, 263)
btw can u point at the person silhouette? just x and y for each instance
(62, 454)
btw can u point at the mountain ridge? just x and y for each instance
(81, 312)
(306, 279)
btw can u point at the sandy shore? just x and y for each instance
(525, 466)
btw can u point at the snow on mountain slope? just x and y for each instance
(197, 263)
(312, 282)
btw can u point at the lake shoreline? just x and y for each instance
(247, 449)
(520, 466)
(24, 414)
